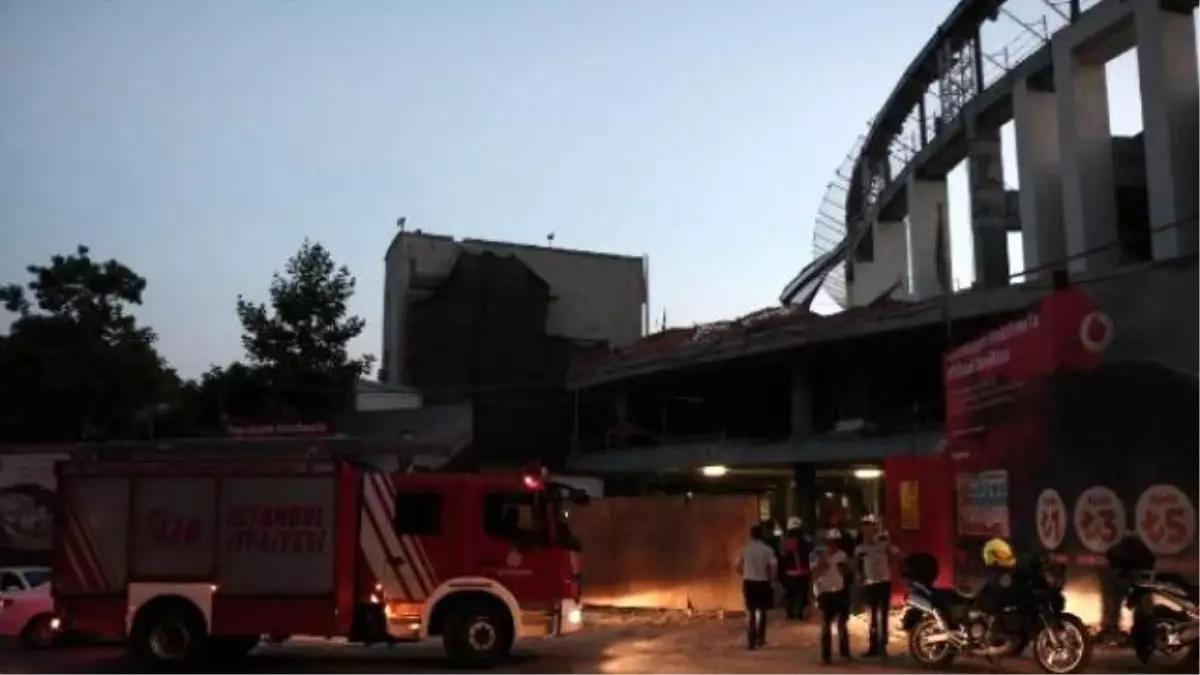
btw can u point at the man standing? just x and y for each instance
(757, 565)
(794, 572)
(874, 557)
(831, 570)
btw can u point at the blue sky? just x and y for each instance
(200, 142)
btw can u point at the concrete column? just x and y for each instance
(1035, 123)
(989, 207)
(927, 212)
(805, 478)
(395, 299)
(802, 402)
(1166, 44)
(1089, 196)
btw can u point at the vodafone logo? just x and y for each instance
(1096, 332)
(514, 558)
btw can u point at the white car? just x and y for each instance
(26, 606)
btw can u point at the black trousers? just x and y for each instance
(795, 596)
(759, 595)
(878, 598)
(835, 608)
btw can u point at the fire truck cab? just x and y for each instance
(193, 558)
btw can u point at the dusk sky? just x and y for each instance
(200, 142)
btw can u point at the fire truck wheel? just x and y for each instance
(168, 633)
(479, 635)
(39, 632)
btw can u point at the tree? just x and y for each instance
(301, 341)
(76, 364)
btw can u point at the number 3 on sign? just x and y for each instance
(1099, 518)
(1165, 519)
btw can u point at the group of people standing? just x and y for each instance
(830, 568)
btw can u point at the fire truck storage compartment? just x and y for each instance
(264, 542)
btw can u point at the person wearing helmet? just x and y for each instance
(999, 553)
(830, 572)
(874, 556)
(1001, 562)
(794, 570)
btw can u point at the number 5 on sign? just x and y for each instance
(1099, 518)
(1165, 519)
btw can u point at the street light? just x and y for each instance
(715, 471)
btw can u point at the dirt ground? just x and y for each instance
(612, 642)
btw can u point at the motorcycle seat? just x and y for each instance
(1191, 590)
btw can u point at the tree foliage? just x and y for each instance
(75, 364)
(299, 342)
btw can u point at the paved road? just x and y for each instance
(696, 647)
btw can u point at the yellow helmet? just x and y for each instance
(998, 553)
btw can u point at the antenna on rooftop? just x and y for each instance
(401, 221)
(550, 239)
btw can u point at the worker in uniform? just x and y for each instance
(757, 566)
(794, 571)
(831, 571)
(873, 557)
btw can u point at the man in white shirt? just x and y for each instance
(757, 565)
(830, 571)
(874, 560)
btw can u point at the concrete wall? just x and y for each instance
(664, 552)
(596, 296)
(888, 265)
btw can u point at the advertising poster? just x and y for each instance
(1088, 403)
(982, 501)
(26, 504)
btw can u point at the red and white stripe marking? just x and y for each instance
(83, 557)
(398, 561)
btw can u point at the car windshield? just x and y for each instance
(37, 578)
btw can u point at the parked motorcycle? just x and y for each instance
(1016, 608)
(1166, 608)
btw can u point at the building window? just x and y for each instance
(418, 513)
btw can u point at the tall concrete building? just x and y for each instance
(593, 298)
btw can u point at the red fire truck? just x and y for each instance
(191, 557)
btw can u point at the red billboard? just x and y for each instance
(1077, 424)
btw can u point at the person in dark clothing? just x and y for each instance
(794, 571)
(831, 572)
(757, 566)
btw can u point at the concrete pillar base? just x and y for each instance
(927, 215)
(1166, 44)
(989, 207)
(1035, 123)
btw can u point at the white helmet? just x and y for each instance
(794, 523)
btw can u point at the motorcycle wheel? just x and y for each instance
(1074, 652)
(936, 656)
(1151, 649)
